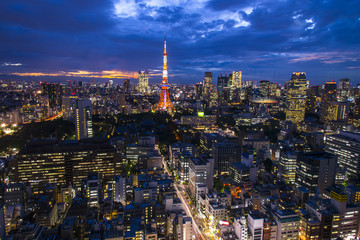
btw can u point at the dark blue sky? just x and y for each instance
(266, 39)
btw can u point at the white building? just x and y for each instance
(241, 229)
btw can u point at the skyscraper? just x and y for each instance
(315, 171)
(54, 93)
(223, 88)
(264, 88)
(328, 96)
(165, 103)
(344, 90)
(126, 85)
(296, 97)
(79, 111)
(235, 83)
(144, 81)
(83, 119)
(207, 84)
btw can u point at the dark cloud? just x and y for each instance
(265, 39)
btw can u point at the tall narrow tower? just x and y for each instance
(165, 103)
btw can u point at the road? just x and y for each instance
(198, 234)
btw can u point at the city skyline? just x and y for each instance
(115, 39)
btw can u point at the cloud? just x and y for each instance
(9, 64)
(261, 37)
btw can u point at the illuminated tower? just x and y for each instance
(165, 103)
(296, 97)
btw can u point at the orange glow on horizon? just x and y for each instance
(86, 74)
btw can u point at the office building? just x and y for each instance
(255, 224)
(287, 166)
(69, 104)
(264, 86)
(54, 91)
(126, 86)
(119, 189)
(343, 90)
(93, 189)
(64, 163)
(328, 96)
(315, 171)
(225, 153)
(313, 99)
(200, 172)
(223, 89)
(337, 114)
(207, 85)
(345, 145)
(287, 222)
(200, 121)
(235, 84)
(83, 119)
(79, 111)
(296, 97)
(143, 86)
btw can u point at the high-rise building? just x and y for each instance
(79, 111)
(344, 90)
(328, 96)
(287, 166)
(225, 153)
(119, 189)
(296, 97)
(54, 92)
(126, 86)
(83, 119)
(201, 171)
(313, 98)
(223, 88)
(93, 189)
(143, 81)
(346, 145)
(198, 91)
(235, 83)
(165, 103)
(337, 113)
(69, 107)
(264, 86)
(207, 85)
(315, 171)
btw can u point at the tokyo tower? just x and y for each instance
(165, 103)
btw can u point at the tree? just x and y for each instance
(268, 164)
